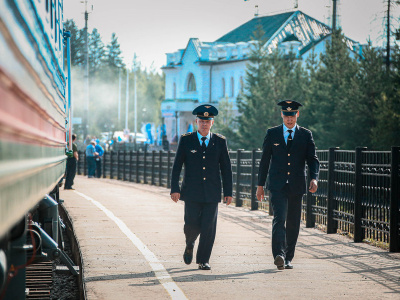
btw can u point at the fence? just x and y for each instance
(358, 191)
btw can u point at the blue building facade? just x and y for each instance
(206, 72)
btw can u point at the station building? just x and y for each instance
(206, 72)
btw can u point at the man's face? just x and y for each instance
(204, 126)
(290, 121)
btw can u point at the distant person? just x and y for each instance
(90, 158)
(98, 158)
(165, 143)
(71, 166)
(287, 149)
(206, 159)
(87, 141)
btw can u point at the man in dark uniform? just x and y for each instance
(286, 150)
(205, 156)
(71, 166)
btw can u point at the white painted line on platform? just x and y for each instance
(161, 273)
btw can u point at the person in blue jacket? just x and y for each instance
(287, 149)
(98, 158)
(206, 159)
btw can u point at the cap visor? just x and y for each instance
(206, 118)
(289, 113)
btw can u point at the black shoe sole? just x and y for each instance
(279, 262)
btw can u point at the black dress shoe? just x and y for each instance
(288, 264)
(188, 256)
(279, 262)
(204, 266)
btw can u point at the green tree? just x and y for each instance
(96, 52)
(77, 43)
(113, 57)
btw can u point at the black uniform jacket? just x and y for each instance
(202, 178)
(288, 166)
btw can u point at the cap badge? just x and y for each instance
(207, 107)
(193, 151)
(289, 109)
(276, 144)
(289, 102)
(206, 114)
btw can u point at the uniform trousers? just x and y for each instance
(98, 167)
(286, 223)
(91, 164)
(70, 172)
(201, 219)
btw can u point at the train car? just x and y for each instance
(34, 111)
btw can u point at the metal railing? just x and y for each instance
(358, 191)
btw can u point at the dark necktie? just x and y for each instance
(289, 139)
(203, 144)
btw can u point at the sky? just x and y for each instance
(152, 28)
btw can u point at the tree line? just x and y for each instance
(349, 100)
(107, 83)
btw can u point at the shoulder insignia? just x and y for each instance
(220, 135)
(185, 134)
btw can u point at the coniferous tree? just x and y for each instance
(113, 58)
(96, 52)
(77, 43)
(335, 97)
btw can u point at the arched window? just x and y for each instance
(174, 91)
(232, 86)
(191, 83)
(223, 87)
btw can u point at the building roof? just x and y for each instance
(245, 32)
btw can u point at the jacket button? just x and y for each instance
(288, 173)
(288, 154)
(204, 157)
(288, 164)
(204, 178)
(204, 168)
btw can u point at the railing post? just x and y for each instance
(160, 168)
(394, 242)
(79, 163)
(331, 224)
(137, 166)
(104, 164)
(254, 203)
(169, 169)
(130, 165)
(118, 164)
(358, 209)
(238, 200)
(144, 166)
(124, 166)
(153, 169)
(310, 218)
(111, 164)
(84, 163)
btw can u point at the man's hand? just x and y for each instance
(260, 193)
(228, 200)
(313, 186)
(175, 196)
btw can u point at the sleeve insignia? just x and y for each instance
(185, 134)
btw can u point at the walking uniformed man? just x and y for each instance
(286, 150)
(205, 156)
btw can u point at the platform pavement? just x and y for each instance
(325, 266)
